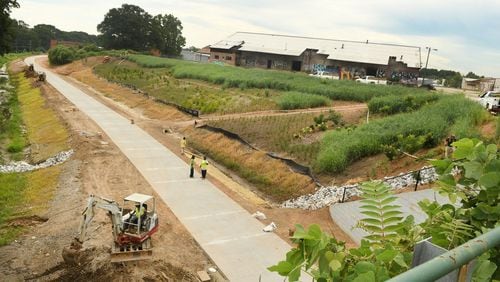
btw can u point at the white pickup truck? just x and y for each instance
(369, 79)
(490, 101)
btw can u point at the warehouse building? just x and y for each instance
(344, 58)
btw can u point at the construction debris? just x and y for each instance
(270, 228)
(259, 215)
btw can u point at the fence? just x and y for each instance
(440, 266)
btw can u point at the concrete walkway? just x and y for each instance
(228, 233)
(347, 215)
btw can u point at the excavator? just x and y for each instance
(132, 227)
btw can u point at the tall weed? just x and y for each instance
(455, 113)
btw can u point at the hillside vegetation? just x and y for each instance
(280, 80)
(451, 114)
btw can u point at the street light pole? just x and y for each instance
(427, 61)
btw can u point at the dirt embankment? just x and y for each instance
(98, 167)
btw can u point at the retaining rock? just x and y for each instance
(24, 166)
(329, 195)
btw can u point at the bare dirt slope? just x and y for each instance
(97, 167)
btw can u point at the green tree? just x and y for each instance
(472, 75)
(452, 78)
(454, 81)
(25, 38)
(130, 27)
(45, 33)
(61, 55)
(127, 27)
(193, 49)
(6, 32)
(166, 34)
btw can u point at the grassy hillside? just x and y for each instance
(451, 114)
(27, 194)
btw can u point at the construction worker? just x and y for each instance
(135, 215)
(191, 163)
(183, 145)
(203, 166)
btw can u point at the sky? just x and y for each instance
(465, 34)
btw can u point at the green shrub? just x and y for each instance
(340, 148)
(335, 117)
(398, 104)
(411, 143)
(61, 55)
(15, 147)
(390, 151)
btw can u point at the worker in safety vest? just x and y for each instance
(183, 145)
(139, 212)
(203, 166)
(191, 167)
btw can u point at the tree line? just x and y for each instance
(450, 78)
(127, 27)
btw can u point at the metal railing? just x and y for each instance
(451, 260)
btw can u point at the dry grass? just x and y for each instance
(271, 177)
(47, 135)
(40, 189)
(83, 73)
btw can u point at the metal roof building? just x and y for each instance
(308, 54)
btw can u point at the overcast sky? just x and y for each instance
(466, 34)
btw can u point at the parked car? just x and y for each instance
(490, 101)
(369, 79)
(324, 74)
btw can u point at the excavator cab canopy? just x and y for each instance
(138, 198)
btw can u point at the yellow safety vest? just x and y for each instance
(204, 165)
(183, 143)
(139, 211)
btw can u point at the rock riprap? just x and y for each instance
(24, 166)
(328, 195)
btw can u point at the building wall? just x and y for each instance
(399, 71)
(54, 43)
(314, 62)
(496, 87)
(482, 84)
(311, 61)
(487, 85)
(194, 56)
(223, 56)
(263, 60)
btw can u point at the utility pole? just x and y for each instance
(426, 62)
